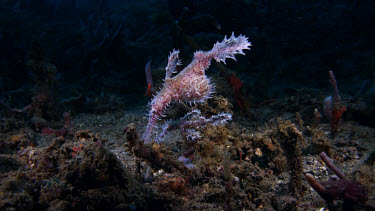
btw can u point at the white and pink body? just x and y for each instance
(191, 84)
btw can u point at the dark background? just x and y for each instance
(99, 48)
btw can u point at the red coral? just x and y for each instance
(236, 86)
(336, 117)
(76, 150)
(50, 131)
(66, 130)
(332, 106)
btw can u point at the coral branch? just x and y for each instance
(315, 185)
(331, 166)
(332, 107)
(338, 188)
(333, 83)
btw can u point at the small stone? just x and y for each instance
(258, 152)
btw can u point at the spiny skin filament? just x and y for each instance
(191, 84)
